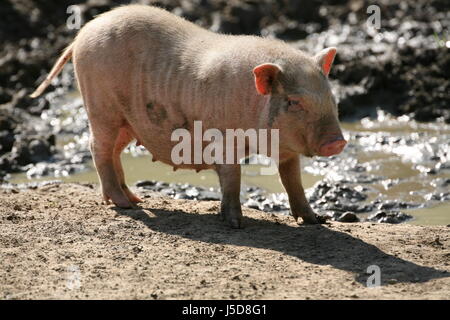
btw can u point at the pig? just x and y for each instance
(144, 72)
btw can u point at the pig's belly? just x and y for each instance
(153, 129)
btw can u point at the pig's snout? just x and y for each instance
(332, 147)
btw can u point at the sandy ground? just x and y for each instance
(59, 241)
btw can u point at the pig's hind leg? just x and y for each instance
(103, 138)
(124, 138)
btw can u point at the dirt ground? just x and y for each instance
(59, 242)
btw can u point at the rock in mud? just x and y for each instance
(348, 217)
(391, 217)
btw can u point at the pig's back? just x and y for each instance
(130, 32)
(135, 44)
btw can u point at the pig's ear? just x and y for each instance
(325, 59)
(265, 76)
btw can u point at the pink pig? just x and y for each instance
(144, 72)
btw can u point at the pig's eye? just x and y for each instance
(295, 103)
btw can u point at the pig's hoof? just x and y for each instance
(316, 219)
(310, 220)
(132, 197)
(124, 205)
(235, 223)
(121, 203)
(322, 219)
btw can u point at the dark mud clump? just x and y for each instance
(22, 144)
(392, 217)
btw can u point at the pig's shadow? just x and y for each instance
(315, 244)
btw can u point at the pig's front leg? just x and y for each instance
(289, 170)
(230, 185)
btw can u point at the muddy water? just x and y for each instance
(393, 160)
(142, 168)
(437, 215)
